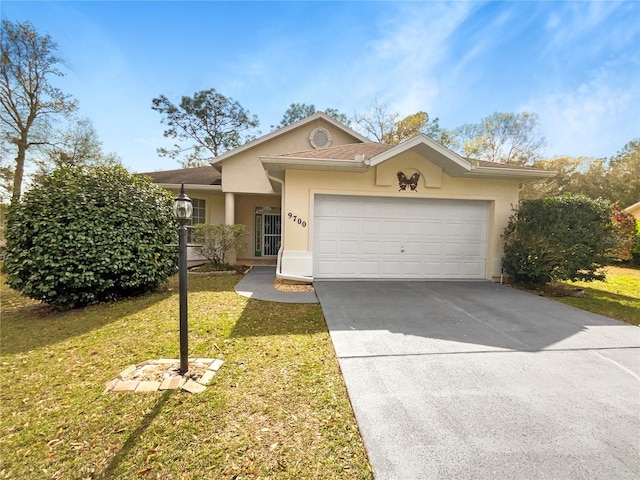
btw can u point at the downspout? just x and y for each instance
(279, 275)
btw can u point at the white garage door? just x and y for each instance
(373, 237)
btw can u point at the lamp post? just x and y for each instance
(182, 209)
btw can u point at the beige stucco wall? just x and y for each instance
(302, 185)
(245, 210)
(244, 172)
(214, 202)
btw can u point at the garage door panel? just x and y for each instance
(392, 248)
(475, 230)
(413, 228)
(412, 248)
(326, 227)
(348, 267)
(390, 268)
(348, 248)
(371, 237)
(370, 248)
(412, 269)
(473, 269)
(328, 247)
(392, 227)
(474, 250)
(371, 268)
(349, 226)
(371, 227)
(326, 268)
(453, 249)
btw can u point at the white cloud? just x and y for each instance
(595, 119)
(402, 64)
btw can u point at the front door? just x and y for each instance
(268, 230)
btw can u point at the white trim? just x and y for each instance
(631, 207)
(192, 187)
(422, 139)
(504, 172)
(288, 128)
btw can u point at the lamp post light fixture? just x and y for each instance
(182, 209)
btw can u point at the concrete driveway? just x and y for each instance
(473, 380)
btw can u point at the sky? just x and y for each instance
(575, 64)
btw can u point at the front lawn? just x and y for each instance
(618, 297)
(277, 408)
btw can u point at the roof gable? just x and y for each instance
(452, 163)
(289, 128)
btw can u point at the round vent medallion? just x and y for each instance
(320, 138)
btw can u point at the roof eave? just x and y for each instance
(274, 164)
(512, 173)
(192, 187)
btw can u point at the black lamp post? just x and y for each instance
(182, 209)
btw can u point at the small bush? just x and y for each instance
(635, 250)
(90, 234)
(214, 241)
(624, 231)
(558, 238)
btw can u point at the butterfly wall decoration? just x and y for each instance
(412, 181)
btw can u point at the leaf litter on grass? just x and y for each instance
(278, 409)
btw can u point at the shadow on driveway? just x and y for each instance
(478, 313)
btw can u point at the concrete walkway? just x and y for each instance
(258, 285)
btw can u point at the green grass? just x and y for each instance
(277, 409)
(618, 297)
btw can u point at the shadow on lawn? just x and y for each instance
(110, 470)
(30, 325)
(260, 318)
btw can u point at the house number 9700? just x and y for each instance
(296, 219)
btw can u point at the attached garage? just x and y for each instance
(416, 210)
(391, 237)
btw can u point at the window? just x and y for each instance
(198, 216)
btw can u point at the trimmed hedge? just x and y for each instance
(90, 234)
(558, 238)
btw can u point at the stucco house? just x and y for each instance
(323, 202)
(634, 210)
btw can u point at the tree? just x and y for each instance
(502, 137)
(300, 111)
(90, 234)
(567, 180)
(411, 125)
(384, 126)
(211, 122)
(623, 175)
(377, 121)
(77, 145)
(558, 238)
(29, 103)
(616, 179)
(214, 241)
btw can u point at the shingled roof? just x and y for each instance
(341, 152)
(189, 176)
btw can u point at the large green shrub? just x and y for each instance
(90, 234)
(558, 238)
(214, 241)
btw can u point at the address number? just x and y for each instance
(296, 219)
